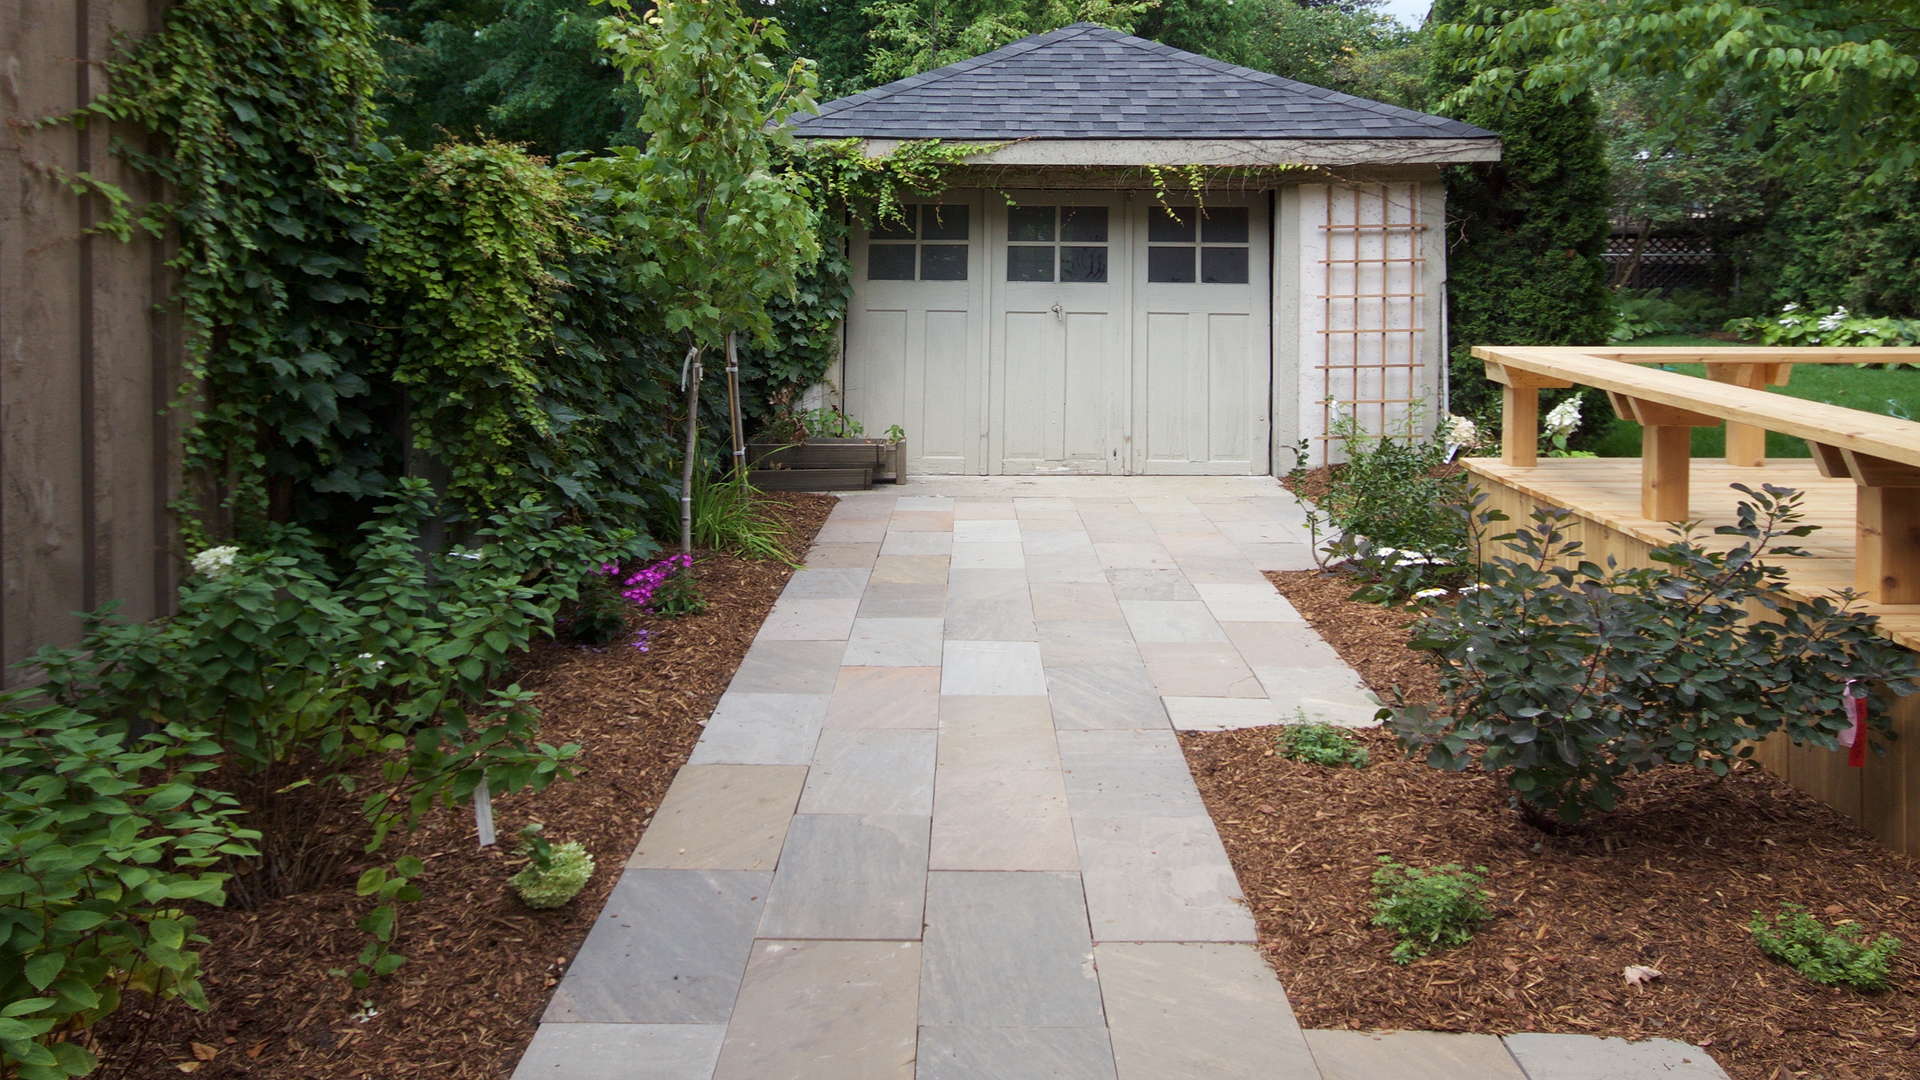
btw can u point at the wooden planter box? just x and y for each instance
(850, 478)
(819, 454)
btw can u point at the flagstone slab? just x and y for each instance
(1213, 1011)
(825, 1010)
(1099, 696)
(1199, 669)
(1223, 570)
(909, 570)
(831, 555)
(894, 643)
(1225, 713)
(789, 667)
(1149, 584)
(1283, 644)
(1015, 1053)
(909, 542)
(1001, 819)
(985, 604)
(992, 667)
(1118, 527)
(922, 521)
(997, 732)
(761, 729)
(722, 817)
(1057, 542)
(1075, 602)
(852, 531)
(1042, 504)
(1116, 774)
(850, 877)
(871, 771)
(1007, 950)
(1159, 879)
(1072, 642)
(885, 697)
(1411, 1055)
(925, 502)
(1247, 603)
(1006, 555)
(889, 601)
(1264, 532)
(668, 948)
(1171, 621)
(831, 583)
(1003, 531)
(808, 620)
(622, 1052)
(1278, 556)
(1081, 566)
(1134, 555)
(1585, 1057)
(982, 510)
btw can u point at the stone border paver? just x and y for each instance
(940, 825)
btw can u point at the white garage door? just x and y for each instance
(1069, 332)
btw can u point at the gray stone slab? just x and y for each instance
(980, 531)
(1068, 566)
(992, 667)
(1057, 543)
(1278, 644)
(1115, 774)
(1263, 532)
(922, 521)
(808, 620)
(909, 570)
(903, 601)
(622, 1052)
(1115, 695)
(908, 542)
(871, 771)
(1278, 556)
(761, 729)
(1585, 1057)
(1075, 602)
(989, 605)
(1224, 713)
(885, 697)
(1411, 1055)
(1122, 527)
(893, 643)
(789, 667)
(1001, 819)
(830, 555)
(1007, 950)
(1199, 669)
(925, 502)
(1015, 1053)
(997, 732)
(980, 509)
(1171, 620)
(722, 817)
(668, 948)
(831, 583)
(1223, 570)
(1213, 1011)
(825, 1010)
(1139, 584)
(1247, 603)
(1005, 555)
(1134, 556)
(1159, 879)
(1069, 643)
(852, 531)
(850, 877)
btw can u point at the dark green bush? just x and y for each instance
(1567, 676)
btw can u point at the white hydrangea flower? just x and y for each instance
(1789, 307)
(1429, 594)
(1475, 587)
(215, 562)
(1832, 321)
(1461, 431)
(1564, 418)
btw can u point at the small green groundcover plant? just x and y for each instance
(1321, 744)
(1839, 955)
(1434, 908)
(554, 874)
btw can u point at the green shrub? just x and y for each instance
(555, 878)
(1321, 744)
(1435, 908)
(1828, 327)
(678, 595)
(1568, 676)
(104, 840)
(731, 515)
(1639, 313)
(600, 615)
(1836, 956)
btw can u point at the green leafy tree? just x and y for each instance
(1525, 234)
(1356, 49)
(834, 34)
(717, 230)
(912, 36)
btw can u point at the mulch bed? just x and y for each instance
(1669, 881)
(480, 964)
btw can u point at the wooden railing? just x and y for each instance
(1880, 454)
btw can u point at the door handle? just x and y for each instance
(1058, 314)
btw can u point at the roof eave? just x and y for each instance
(1400, 150)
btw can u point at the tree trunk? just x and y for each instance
(1624, 276)
(733, 409)
(690, 375)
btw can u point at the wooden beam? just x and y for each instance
(1752, 354)
(1831, 460)
(1746, 443)
(1886, 558)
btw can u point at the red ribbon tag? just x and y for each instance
(1855, 737)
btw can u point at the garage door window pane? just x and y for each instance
(901, 229)
(1083, 224)
(943, 223)
(1224, 225)
(890, 262)
(1030, 264)
(1170, 225)
(1032, 223)
(1083, 264)
(1170, 264)
(943, 262)
(1223, 265)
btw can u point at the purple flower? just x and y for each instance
(642, 640)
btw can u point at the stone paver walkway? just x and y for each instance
(939, 826)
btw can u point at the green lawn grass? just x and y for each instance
(1893, 393)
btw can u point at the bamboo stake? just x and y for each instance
(690, 380)
(733, 408)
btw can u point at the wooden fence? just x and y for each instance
(88, 449)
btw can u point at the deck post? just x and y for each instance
(1666, 460)
(1520, 426)
(1886, 554)
(1746, 443)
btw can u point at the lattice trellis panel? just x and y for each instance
(1370, 360)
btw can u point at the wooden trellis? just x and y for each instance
(1371, 302)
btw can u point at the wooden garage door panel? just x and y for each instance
(1170, 416)
(942, 391)
(1229, 387)
(1026, 396)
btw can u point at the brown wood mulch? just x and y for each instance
(480, 964)
(1669, 881)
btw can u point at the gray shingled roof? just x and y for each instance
(1088, 82)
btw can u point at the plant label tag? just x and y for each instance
(1854, 738)
(483, 813)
